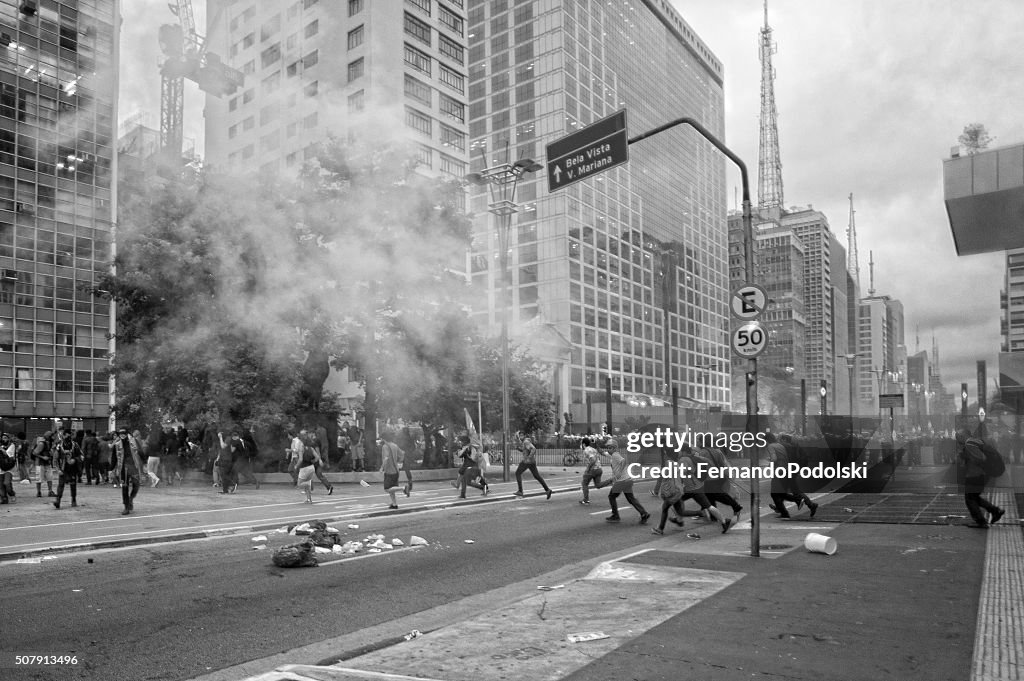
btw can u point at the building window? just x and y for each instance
(270, 55)
(355, 7)
(232, 131)
(357, 101)
(311, 59)
(249, 67)
(450, 137)
(425, 156)
(417, 29)
(417, 60)
(233, 104)
(452, 79)
(308, 3)
(419, 122)
(355, 69)
(312, 90)
(451, 20)
(451, 49)
(249, 40)
(248, 96)
(271, 83)
(452, 108)
(271, 27)
(311, 29)
(355, 37)
(452, 166)
(418, 90)
(421, 5)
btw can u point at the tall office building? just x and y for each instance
(824, 291)
(372, 68)
(629, 267)
(882, 354)
(58, 102)
(1011, 302)
(781, 273)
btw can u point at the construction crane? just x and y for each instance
(186, 57)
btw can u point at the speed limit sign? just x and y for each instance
(749, 340)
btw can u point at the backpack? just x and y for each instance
(669, 488)
(41, 452)
(994, 465)
(6, 462)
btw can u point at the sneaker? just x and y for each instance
(657, 530)
(517, 494)
(155, 482)
(979, 526)
(410, 485)
(407, 490)
(814, 509)
(234, 487)
(74, 504)
(51, 494)
(613, 518)
(584, 502)
(799, 503)
(330, 490)
(549, 494)
(125, 512)
(654, 494)
(56, 504)
(393, 506)
(726, 525)
(644, 518)
(996, 515)
(736, 516)
(678, 521)
(487, 489)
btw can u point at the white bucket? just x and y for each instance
(819, 543)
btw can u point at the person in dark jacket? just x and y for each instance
(972, 453)
(128, 468)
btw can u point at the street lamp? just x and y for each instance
(502, 180)
(851, 363)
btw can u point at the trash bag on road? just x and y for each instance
(295, 555)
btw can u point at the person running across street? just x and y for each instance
(621, 483)
(128, 469)
(226, 466)
(693, 488)
(718, 488)
(972, 452)
(529, 463)
(593, 470)
(305, 470)
(42, 461)
(8, 463)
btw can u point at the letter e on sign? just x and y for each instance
(749, 340)
(748, 301)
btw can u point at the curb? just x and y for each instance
(227, 531)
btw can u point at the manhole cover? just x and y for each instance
(775, 547)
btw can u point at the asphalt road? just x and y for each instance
(178, 611)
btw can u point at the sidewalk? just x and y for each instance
(32, 527)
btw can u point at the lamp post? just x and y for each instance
(502, 180)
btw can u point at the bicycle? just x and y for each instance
(572, 457)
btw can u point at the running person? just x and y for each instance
(622, 483)
(529, 463)
(593, 471)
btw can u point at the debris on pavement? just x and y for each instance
(261, 537)
(415, 633)
(586, 636)
(364, 483)
(417, 541)
(295, 555)
(353, 526)
(693, 535)
(259, 547)
(470, 541)
(550, 588)
(397, 542)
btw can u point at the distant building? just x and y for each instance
(880, 344)
(781, 271)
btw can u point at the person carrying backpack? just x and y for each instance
(41, 458)
(8, 461)
(976, 476)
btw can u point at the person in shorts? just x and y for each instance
(392, 459)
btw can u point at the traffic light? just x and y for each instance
(963, 399)
(824, 397)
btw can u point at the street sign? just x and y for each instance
(749, 340)
(587, 152)
(890, 401)
(748, 301)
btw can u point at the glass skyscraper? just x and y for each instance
(624, 275)
(58, 98)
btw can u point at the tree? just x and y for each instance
(531, 409)
(975, 138)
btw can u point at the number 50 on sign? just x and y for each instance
(749, 340)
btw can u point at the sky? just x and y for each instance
(871, 95)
